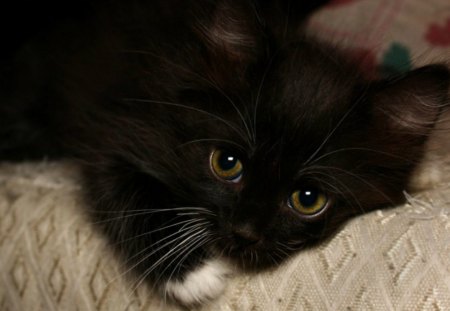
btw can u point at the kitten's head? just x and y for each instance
(302, 148)
(284, 142)
(262, 146)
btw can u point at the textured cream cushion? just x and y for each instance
(51, 258)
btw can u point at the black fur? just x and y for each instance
(141, 92)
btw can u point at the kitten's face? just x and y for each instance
(283, 159)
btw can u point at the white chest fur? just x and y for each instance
(204, 283)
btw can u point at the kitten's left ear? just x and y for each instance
(411, 104)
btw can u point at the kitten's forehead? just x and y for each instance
(309, 78)
(305, 94)
(286, 103)
(304, 97)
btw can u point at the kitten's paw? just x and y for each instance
(205, 283)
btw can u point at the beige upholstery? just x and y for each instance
(397, 259)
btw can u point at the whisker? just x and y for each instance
(199, 242)
(330, 134)
(247, 128)
(185, 232)
(362, 180)
(359, 149)
(211, 139)
(181, 249)
(162, 259)
(287, 247)
(208, 240)
(144, 212)
(211, 82)
(231, 126)
(184, 222)
(283, 252)
(185, 252)
(273, 259)
(337, 189)
(156, 210)
(258, 95)
(189, 214)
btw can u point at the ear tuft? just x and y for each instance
(232, 29)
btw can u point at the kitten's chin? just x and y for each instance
(252, 258)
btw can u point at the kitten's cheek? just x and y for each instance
(205, 283)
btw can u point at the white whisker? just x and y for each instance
(330, 134)
(231, 126)
(184, 232)
(185, 222)
(258, 95)
(166, 255)
(212, 140)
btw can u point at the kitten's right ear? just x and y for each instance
(410, 104)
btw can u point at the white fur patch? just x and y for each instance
(205, 283)
(427, 175)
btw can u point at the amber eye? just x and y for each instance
(308, 201)
(226, 166)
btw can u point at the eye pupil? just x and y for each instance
(227, 161)
(308, 197)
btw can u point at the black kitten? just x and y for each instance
(211, 134)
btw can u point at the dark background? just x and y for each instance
(22, 20)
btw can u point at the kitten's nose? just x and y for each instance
(245, 236)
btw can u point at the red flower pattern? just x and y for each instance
(439, 35)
